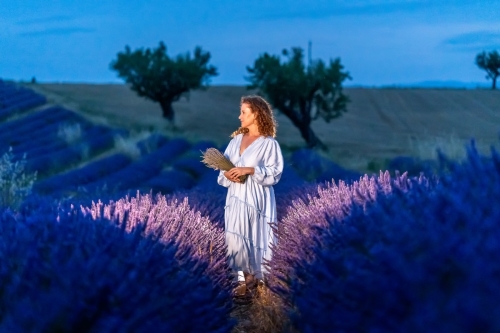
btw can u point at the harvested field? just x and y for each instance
(380, 123)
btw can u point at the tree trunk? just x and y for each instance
(494, 83)
(312, 140)
(168, 111)
(305, 130)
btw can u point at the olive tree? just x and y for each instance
(490, 62)
(156, 76)
(302, 93)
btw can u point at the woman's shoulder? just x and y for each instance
(237, 136)
(269, 140)
(233, 140)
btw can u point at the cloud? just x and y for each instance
(56, 31)
(473, 41)
(48, 19)
(339, 8)
(52, 25)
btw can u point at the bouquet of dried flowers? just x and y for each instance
(214, 159)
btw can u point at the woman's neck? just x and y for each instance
(252, 134)
(253, 131)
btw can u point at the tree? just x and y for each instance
(301, 93)
(154, 75)
(490, 62)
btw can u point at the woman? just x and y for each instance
(251, 206)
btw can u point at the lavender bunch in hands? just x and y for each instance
(214, 159)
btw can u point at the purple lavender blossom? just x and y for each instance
(306, 218)
(172, 221)
(66, 272)
(416, 261)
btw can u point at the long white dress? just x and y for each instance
(251, 207)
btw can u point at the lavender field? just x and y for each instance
(123, 232)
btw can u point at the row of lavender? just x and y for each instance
(16, 100)
(395, 254)
(49, 149)
(172, 164)
(137, 265)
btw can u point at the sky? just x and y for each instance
(380, 43)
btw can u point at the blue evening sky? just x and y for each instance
(381, 42)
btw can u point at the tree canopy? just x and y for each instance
(160, 78)
(490, 62)
(302, 93)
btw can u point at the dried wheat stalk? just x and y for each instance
(214, 159)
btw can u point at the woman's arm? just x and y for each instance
(270, 173)
(222, 180)
(248, 170)
(267, 175)
(236, 172)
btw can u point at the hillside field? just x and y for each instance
(380, 123)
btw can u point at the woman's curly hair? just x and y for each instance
(265, 119)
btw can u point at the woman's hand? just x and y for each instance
(234, 174)
(231, 178)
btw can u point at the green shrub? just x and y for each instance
(15, 184)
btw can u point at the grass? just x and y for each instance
(70, 133)
(425, 147)
(128, 145)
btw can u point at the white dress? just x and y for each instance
(251, 207)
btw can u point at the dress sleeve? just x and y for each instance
(221, 179)
(270, 172)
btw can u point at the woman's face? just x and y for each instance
(247, 117)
